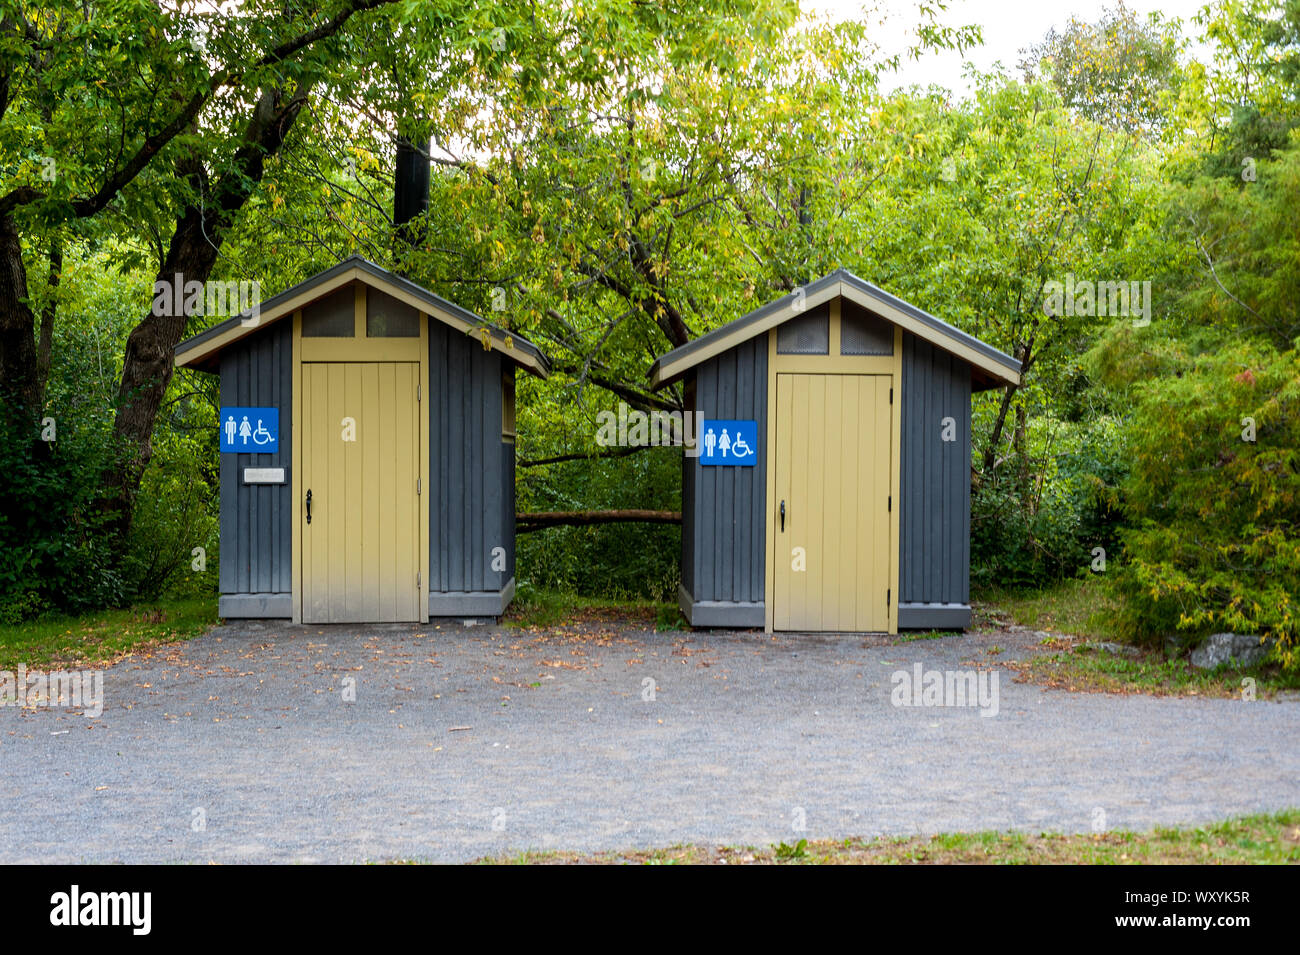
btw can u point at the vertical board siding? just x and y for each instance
(728, 506)
(469, 466)
(256, 528)
(689, 467)
(935, 482)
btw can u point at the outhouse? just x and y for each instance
(368, 459)
(829, 486)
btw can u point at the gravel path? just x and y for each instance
(464, 742)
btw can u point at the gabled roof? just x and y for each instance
(990, 367)
(201, 350)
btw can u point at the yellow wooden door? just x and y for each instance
(361, 461)
(833, 468)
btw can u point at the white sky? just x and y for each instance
(1009, 26)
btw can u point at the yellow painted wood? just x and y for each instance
(361, 553)
(834, 468)
(386, 556)
(770, 531)
(834, 364)
(361, 349)
(295, 478)
(406, 446)
(372, 544)
(426, 568)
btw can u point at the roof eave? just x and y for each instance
(670, 367)
(193, 353)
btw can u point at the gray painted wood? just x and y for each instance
(471, 469)
(934, 522)
(724, 518)
(256, 533)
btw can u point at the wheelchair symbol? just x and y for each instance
(740, 449)
(261, 435)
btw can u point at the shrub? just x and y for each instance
(1215, 536)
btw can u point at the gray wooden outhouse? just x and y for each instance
(829, 489)
(368, 456)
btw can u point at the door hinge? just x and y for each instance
(889, 593)
(891, 396)
(417, 580)
(417, 392)
(417, 486)
(890, 506)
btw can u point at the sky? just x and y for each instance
(1009, 26)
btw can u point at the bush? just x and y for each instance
(1215, 536)
(1029, 535)
(54, 552)
(175, 512)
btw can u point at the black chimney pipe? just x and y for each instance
(410, 186)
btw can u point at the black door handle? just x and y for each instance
(308, 505)
(782, 515)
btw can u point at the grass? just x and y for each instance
(1090, 669)
(104, 636)
(1084, 608)
(912, 636)
(1257, 839)
(540, 608)
(1077, 611)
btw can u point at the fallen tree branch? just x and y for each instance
(586, 455)
(540, 519)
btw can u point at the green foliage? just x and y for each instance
(1215, 536)
(176, 513)
(797, 851)
(1119, 71)
(607, 560)
(1040, 519)
(53, 554)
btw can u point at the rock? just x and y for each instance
(1237, 649)
(1119, 649)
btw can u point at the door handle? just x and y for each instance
(782, 515)
(308, 505)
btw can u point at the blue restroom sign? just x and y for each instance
(250, 430)
(725, 442)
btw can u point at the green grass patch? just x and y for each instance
(1083, 607)
(1090, 669)
(105, 635)
(912, 636)
(1268, 838)
(1080, 611)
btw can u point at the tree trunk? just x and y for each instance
(150, 348)
(45, 342)
(19, 377)
(991, 449)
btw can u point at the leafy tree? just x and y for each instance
(1120, 71)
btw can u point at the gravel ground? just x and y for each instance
(464, 742)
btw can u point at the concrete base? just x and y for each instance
(487, 603)
(719, 613)
(917, 616)
(472, 603)
(238, 606)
